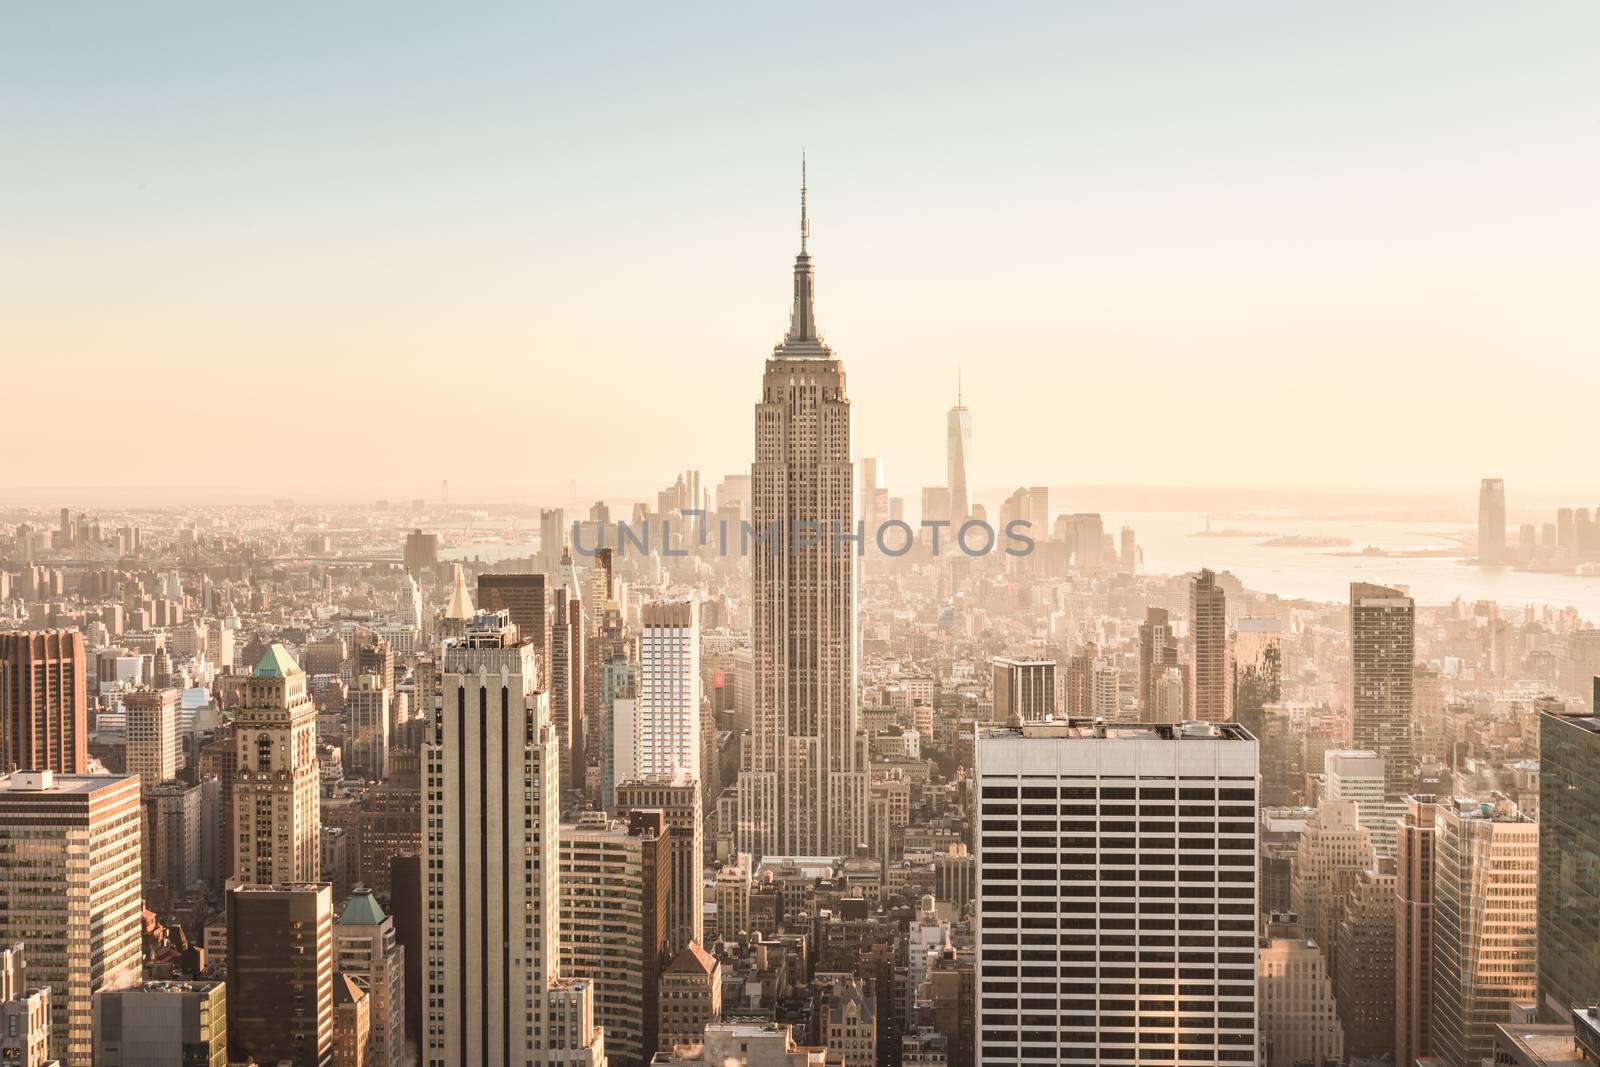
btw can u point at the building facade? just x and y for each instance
(1023, 689)
(161, 1024)
(1099, 847)
(690, 998)
(1569, 864)
(1485, 894)
(1382, 659)
(44, 715)
(1299, 1013)
(491, 904)
(1210, 679)
(280, 973)
(70, 890)
(802, 785)
(677, 797)
(277, 814)
(615, 884)
(154, 747)
(667, 726)
(1413, 931)
(366, 947)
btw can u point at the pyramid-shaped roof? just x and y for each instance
(692, 959)
(276, 663)
(362, 910)
(460, 606)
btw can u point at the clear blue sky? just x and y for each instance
(1213, 244)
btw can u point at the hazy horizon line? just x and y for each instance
(166, 497)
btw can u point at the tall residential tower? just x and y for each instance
(1382, 655)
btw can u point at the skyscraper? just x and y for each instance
(1334, 849)
(1299, 1014)
(1257, 669)
(173, 829)
(277, 817)
(1569, 864)
(155, 751)
(677, 797)
(366, 753)
(552, 537)
(1210, 684)
(1023, 689)
(44, 721)
(491, 905)
(1158, 651)
(1079, 934)
(958, 445)
(280, 974)
(1486, 864)
(668, 712)
(802, 790)
(871, 513)
(615, 883)
(1492, 521)
(69, 889)
(527, 598)
(1039, 510)
(365, 946)
(567, 636)
(614, 676)
(1360, 776)
(1382, 658)
(1365, 964)
(1413, 931)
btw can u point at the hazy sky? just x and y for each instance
(303, 249)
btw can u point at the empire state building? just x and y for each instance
(802, 783)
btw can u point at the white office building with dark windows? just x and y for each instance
(1117, 894)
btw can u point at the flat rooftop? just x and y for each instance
(1093, 729)
(1542, 1043)
(1582, 722)
(48, 783)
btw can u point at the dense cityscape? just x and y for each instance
(843, 535)
(762, 772)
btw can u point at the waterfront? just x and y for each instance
(1298, 572)
(1325, 574)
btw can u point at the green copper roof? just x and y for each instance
(362, 910)
(276, 663)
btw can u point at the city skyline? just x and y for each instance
(1309, 221)
(545, 694)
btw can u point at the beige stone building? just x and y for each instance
(849, 1024)
(1299, 1016)
(691, 998)
(1334, 849)
(745, 1045)
(277, 820)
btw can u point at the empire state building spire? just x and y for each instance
(803, 340)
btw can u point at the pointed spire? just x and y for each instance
(805, 222)
(460, 606)
(803, 312)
